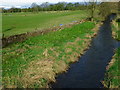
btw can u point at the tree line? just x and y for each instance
(60, 6)
(103, 8)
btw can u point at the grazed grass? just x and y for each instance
(17, 23)
(35, 62)
(112, 76)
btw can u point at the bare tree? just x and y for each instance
(35, 7)
(44, 5)
(92, 4)
(91, 7)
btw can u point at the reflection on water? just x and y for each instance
(90, 69)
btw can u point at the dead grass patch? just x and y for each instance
(115, 29)
(10, 84)
(67, 50)
(72, 58)
(37, 70)
(88, 35)
(60, 66)
(73, 43)
(110, 63)
(42, 69)
(20, 50)
(54, 52)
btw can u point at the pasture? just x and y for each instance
(17, 23)
(36, 61)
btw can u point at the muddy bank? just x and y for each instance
(21, 37)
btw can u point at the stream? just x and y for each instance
(89, 71)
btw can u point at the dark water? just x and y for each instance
(90, 69)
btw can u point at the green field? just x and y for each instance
(17, 23)
(36, 61)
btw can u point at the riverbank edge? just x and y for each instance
(107, 79)
(6, 41)
(88, 45)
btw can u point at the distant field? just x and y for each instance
(17, 23)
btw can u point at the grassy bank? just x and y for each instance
(35, 62)
(116, 30)
(17, 23)
(112, 76)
